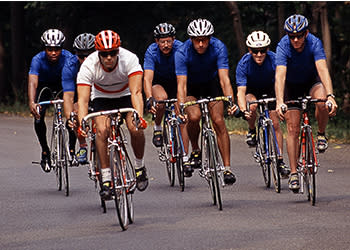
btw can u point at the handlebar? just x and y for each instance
(138, 119)
(260, 101)
(306, 100)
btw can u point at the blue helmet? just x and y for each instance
(296, 23)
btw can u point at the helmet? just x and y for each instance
(84, 41)
(258, 39)
(164, 30)
(295, 23)
(107, 40)
(53, 38)
(200, 27)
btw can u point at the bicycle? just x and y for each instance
(308, 164)
(267, 151)
(212, 167)
(122, 170)
(60, 157)
(172, 150)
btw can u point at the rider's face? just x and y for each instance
(200, 43)
(258, 54)
(53, 53)
(109, 59)
(165, 44)
(298, 40)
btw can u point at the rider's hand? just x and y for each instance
(150, 105)
(34, 107)
(231, 110)
(83, 133)
(281, 108)
(332, 103)
(247, 114)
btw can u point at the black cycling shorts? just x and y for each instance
(203, 90)
(102, 104)
(170, 86)
(259, 92)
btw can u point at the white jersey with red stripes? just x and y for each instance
(114, 84)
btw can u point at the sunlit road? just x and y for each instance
(34, 215)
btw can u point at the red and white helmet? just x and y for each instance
(107, 40)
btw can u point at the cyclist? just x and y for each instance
(301, 69)
(45, 72)
(202, 68)
(159, 79)
(83, 46)
(255, 76)
(112, 76)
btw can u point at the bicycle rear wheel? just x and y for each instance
(261, 149)
(311, 163)
(63, 160)
(119, 191)
(179, 161)
(167, 144)
(213, 164)
(273, 151)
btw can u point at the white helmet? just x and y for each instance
(53, 38)
(258, 39)
(200, 27)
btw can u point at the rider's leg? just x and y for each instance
(293, 129)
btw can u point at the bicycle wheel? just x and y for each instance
(55, 158)
(170, 165)
(213, 164)
(131, 185)
(119, 191)
(310, 173)
(273, 151)
(179, 160)
(261, 149)
(204, 172)
(63, 160)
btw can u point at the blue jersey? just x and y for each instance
(201, 68)
(301, 68)
(162, 65)
(47, 72)
(250, 74)
(69, 74)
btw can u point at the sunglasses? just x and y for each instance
(107, 53)
(292, 37)
(262, 51)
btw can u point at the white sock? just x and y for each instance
(106, 174)
(139, 163)
(185, 158)
(157, 127)
(228, 168)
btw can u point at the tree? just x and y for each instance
(237, 27)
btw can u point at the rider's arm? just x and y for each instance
(83, 100)
(68, 106)
(32, 86)
(181, 88)
(280, 81)
(225, 83)
(326, 80)
(147, 82)
(241, 100)
(135, 86)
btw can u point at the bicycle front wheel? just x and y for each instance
(63, 160)
(118, 191)
(55, 158)
(273, 151)
(130, 177)
(179, 161)
(167, 152)
(213, 164)
(261, 151)
(311, 163)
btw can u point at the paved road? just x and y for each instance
(34, 215)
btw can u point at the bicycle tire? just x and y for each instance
(131, 183)
(64, 160)
(310, 173)
(213, 163)
(179, 160)
(273, 150)
(261, 149)
(118, 190)
(205, 168)
(170, 166)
